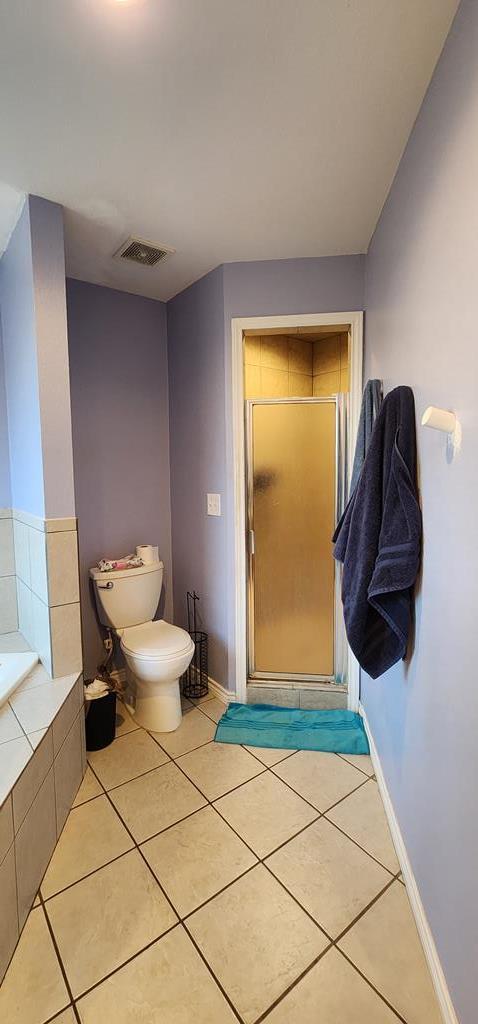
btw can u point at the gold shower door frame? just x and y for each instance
(338, 674)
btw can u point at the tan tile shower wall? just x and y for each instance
(278, 366)
(330, 366)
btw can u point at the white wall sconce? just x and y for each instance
(443, 419)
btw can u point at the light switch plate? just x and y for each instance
(214, 504)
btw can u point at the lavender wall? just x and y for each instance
(199, 344)
(17, 305)
(119, 402)
(198, 457)
(33, 312)
(48, 262)
(5, 487)
(421, 330)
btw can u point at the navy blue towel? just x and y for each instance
(371, 402)
(378, 540)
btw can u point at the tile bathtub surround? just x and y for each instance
(165, 905)
(8, 597)
(40, 772)
(8, 604)
(47, 589)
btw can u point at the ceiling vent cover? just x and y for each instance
(147, 254)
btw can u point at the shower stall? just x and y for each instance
(295, 477)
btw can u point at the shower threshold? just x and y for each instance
(297, 694)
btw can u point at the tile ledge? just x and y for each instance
(72, 679)
(47, 524)
(13, 643)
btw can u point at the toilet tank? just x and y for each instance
(126, 597)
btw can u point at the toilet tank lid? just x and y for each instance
(119, 574)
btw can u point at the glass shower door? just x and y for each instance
(292, 485)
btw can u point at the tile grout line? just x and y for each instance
(343, 757)
(352, 840)
(293, 984)
(212, 973)
(182, 920)
(58, 954)
(308, 801)
(179, 920)
(374, 989)
(125, 963)
(332, 942)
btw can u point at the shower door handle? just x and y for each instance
(251, 542)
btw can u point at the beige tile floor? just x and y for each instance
(202, 883)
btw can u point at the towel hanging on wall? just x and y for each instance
(371, 402)
(378, 540)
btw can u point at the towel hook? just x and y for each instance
(443, 419)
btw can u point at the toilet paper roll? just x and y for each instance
(147, 553)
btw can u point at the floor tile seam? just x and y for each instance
(89, 800)
(212, 804)
(186, 917)
(360, 847)
(365, 910)
(138, 843)
(71, 1006)
(289, 786)
(89, 874)
(263, 1016)
(373, 987)
(174, 757)
(331, 938)
(332, 944)
(133, 778)
(309, 968)
(343, 757)
(346, 795)
(296, 791)
(250, 750)
(124, 963)
(59, 958)
(212, 973)
(138, 848)
(219, 797)
(200, 708)
(268, 769)
(181, 921)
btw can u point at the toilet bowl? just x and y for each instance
(157, 654)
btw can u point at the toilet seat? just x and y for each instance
(156, 641)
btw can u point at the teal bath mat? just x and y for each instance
(264, 725)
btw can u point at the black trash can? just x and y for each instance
(100, 722)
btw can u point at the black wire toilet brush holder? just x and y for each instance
(195, 682)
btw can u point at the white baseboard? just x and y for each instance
(225, 695)
(423, 928)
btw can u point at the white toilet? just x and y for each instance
(156, 652)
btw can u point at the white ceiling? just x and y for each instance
(228, 129)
